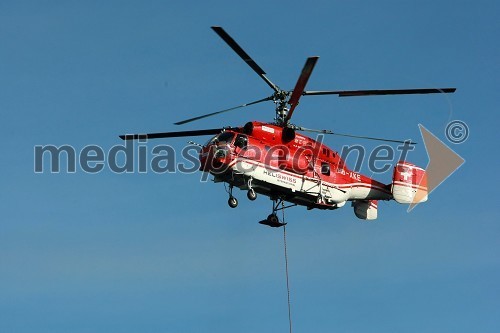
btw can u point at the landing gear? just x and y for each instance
(272, 219)
(251, 195)
(232, 201)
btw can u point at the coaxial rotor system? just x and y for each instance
(286, 101)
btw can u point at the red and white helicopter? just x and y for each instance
(274, 160)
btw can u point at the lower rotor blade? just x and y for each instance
(353, 93)
(222, 111)
(376, 139)
(172, 134)
(303, 129)
(351, 136)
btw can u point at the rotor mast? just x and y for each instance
(280, 100)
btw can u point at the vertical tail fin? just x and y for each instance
(409, 183)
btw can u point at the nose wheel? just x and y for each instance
(251, 195)
(232, 201)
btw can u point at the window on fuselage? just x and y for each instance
(241, 141)
(224, 137)
(325, 168)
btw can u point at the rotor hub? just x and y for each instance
(280, 98)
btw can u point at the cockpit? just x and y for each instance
(224, 137)
(228, 138)
(222, 149)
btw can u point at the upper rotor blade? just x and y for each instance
(222, 111)
(300, 85)
(172, 134)
(350, 93)
(352, 136)
(243, 55)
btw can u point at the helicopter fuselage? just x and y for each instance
(283, 164)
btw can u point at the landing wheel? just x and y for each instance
(251, 195)
(273, 219)
(232, 202)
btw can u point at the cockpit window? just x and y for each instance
(241, 141)
(224, 137)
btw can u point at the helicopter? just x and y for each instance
(276, 160)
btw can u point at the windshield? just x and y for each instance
(224, 137)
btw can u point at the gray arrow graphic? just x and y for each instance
(442, 163)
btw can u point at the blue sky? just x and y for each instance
(164, 253)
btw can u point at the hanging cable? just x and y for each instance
(286, 272)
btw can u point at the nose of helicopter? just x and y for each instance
(215, 158)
